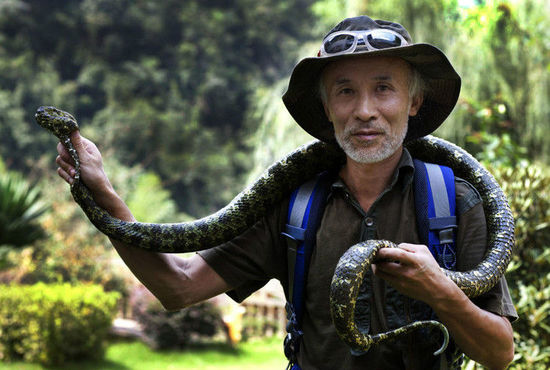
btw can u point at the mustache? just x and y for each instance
(359, 127)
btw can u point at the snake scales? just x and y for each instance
(274, 185)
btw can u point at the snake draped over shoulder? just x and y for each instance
(274, 185)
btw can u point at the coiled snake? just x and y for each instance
(273, 186)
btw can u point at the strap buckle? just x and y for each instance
(446, 256)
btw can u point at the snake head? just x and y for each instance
(58, 122)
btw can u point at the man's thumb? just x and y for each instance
(77, 141)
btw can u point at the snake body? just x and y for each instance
(276, 183)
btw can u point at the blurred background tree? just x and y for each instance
(166, 83)
(183, 99)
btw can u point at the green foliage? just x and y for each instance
(492, 138)
(175, 329)
(528, 190)
(499, 150)
(71, 250)
(52, 324)
(527, 185)
(278, 135)
(167, 84)
(331, 12)
(149, 202)
(500, 51)
(20, 208)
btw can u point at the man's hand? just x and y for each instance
(413, 272)
(91, 169)
(485, 337)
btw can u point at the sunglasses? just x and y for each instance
(346, 42)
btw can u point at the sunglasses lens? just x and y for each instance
(339, 44)
(382, 40)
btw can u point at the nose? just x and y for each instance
(365, 108)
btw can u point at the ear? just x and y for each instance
(416, 103)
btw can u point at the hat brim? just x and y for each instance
(443, 88)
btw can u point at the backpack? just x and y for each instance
(435, 203)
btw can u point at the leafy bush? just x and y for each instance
(52, 324)
(528, 190)
(72, 251)
(175, 329)
(20, 206)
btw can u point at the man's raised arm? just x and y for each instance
(177, 282)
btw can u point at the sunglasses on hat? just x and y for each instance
(346, 42)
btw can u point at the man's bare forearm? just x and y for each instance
(176, 282)
(485, 337)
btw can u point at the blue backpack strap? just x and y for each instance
(305, 211)
(295, 229)
(435, 201)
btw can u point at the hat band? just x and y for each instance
(347, 42)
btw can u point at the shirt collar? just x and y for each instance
(402, 176)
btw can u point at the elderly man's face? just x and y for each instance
(367, 100)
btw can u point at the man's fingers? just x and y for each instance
(63, 153)
(392, 255)
(65, 166)
(390, 267)
(65, 176)
(411, 248)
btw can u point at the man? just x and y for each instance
(370, 89)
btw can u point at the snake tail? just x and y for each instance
(344, 290)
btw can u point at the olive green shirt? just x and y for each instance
(260, 254)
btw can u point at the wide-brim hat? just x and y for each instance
(303, 101)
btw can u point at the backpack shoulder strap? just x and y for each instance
(435, 201)
(306, 207)
(305, 211)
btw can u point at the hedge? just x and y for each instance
(52, 324)
(528, 190)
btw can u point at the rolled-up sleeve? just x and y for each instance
(250, 260)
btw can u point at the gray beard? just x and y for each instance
(365, 154)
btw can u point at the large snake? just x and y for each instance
(273, 186)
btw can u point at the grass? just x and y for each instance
(266, 354)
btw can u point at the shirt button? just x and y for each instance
(369, 221)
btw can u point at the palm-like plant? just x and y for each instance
(20, 207)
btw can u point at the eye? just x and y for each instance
(383, 87)
(344, 91)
